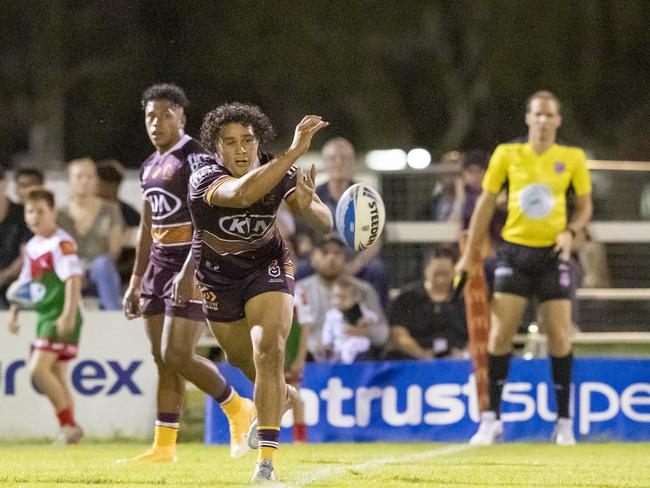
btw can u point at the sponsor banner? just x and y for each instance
(113, 380)
(437, 401)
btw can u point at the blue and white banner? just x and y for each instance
(436, 401)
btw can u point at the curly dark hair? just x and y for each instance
(165, 91)
(229, 113)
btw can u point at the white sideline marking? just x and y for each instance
(325, 473)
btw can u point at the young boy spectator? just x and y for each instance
(347, 325)
(424, 322)
(52, 266)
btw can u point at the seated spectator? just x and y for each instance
(424, 322)
(96, 225)
(348, 324)
(111, 173)
(14, 234)
(26, 179)
(339, 160)
(314, 294)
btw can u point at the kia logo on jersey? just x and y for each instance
(163, 203)
(246, 227)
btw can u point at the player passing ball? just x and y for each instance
(243, 266)
(533, 261)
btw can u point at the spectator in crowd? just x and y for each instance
(445, 203)
(111, 174)
(314, 294)
(14, 234)
(27, 179)
(96, 225)
(348, 324)
(424, 322)
(340, 161)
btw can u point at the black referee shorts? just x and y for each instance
(532, 272)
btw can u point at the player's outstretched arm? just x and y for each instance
(478, 228)
(243, 192)
(305, 202)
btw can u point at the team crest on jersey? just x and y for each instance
(168, 172)
(274, 269)
(559, 167)
(163, 203)
(246, 227)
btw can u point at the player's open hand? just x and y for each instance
(305, 130)
(131, 303)
(305, 187)
(563, 243)
(182, 287)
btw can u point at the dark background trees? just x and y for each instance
(440, 75)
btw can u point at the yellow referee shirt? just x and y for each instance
(537, 187)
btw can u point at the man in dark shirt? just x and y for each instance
(424, 322)
(14, 234)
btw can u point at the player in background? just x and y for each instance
(243, 266)
(533, 261)
(173, 316)
(52, 266)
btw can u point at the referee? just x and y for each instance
(533, 261)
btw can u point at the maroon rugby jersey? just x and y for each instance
(230, 243)
(163, 179)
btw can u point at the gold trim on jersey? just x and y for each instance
(207, 196)
(172, 235)
(224, 247)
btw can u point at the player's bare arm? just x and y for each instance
(478, 228)
(244, 191)
(306, 203)
(131, 302)
(579, 220)
(66, 321)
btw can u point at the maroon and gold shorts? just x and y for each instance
(156, 296)
(226, 303)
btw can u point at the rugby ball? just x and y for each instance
(360, 216)
(20, 294)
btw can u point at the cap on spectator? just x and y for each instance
(332, 237)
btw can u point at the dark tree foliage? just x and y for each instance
(439, 74)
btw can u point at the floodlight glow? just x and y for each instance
(418, 158)
(386, 160)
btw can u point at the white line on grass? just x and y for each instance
(325, 473)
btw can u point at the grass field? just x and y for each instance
(335, 465)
